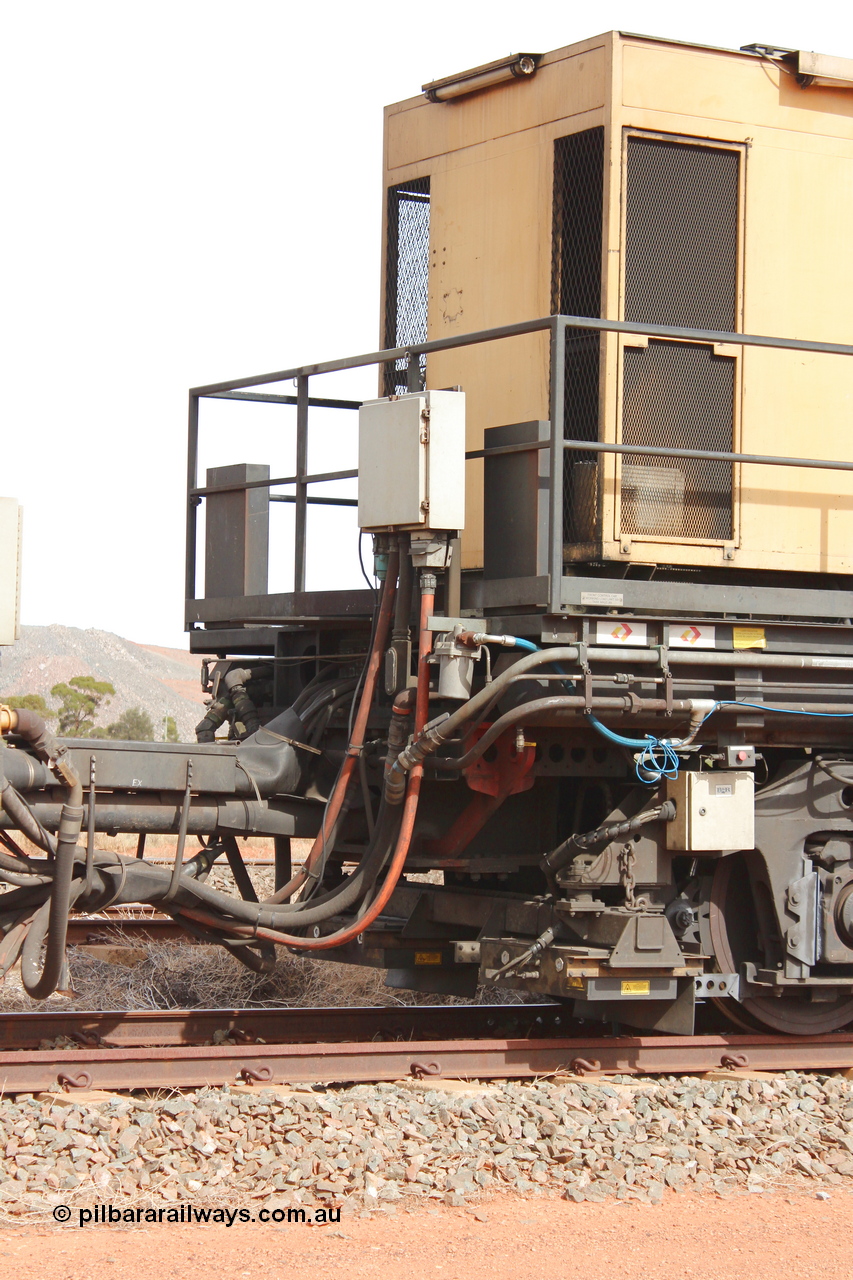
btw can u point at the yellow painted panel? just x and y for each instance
(798, 405)
(720, 86)
(490, 265)
(559, 89)
(797, 282)
(798, 278)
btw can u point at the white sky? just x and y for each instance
(192, 192)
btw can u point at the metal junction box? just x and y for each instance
(411, 462)
(714, 811)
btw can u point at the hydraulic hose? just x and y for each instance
(392, 837)
(31, 727)
(527, 713)
(583, 842)
(407, 824)
(245, 917)
(24, 819)
(51, 921)
(336, 800)
(430, 739)
(52, 918)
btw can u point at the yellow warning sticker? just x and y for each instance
(427, 957)
(636, 987)
(748, 638)
(575, 982)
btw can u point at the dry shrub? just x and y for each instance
(183, 975)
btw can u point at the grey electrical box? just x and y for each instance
(11, 519)
(411, 462)
(714, 812)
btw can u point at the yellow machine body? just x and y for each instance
(501, 167)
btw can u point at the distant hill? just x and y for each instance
(163, 682)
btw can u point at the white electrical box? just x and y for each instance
(715, 812)
(10, 570)
(411, 462)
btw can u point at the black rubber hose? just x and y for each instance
(326, 905)
(335, 689)
(52, 919)
(28, 898)
(54, 913)
(52, 922)
(583, 842)
(326, 676)
(13, 875)
(32, 728)
(144, 882)
(24, 820)
(26, 866)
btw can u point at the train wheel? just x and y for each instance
(735, 936)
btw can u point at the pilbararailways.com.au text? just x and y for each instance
(108, 1215)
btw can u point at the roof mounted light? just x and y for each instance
(518, 66)
(820, 69)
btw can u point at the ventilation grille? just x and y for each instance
(677, 395)
(407, 276)
(681, 234)
(576, 291)
(681, 268)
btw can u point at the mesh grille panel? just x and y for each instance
(407, 276)
(576, 290)
(681, 234)
(677, 395)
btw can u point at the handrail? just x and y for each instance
(716, 336)
(558, 326)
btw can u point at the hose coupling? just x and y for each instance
(395, 784)
(70, 821)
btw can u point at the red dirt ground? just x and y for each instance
(747, 1237)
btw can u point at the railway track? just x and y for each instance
(114, 927)
(176, 1049)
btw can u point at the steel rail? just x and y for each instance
(285, 1064)
(167, 1028)
(118, 930)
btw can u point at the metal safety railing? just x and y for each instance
(557, 326)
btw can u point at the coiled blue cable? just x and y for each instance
(658, 759)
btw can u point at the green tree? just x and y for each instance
(171, 729)
(133, 725)
(32, 702)
(80, 700)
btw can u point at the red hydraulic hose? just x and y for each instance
(356, 742)
(404, 836)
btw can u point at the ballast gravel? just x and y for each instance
(368, 1147)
